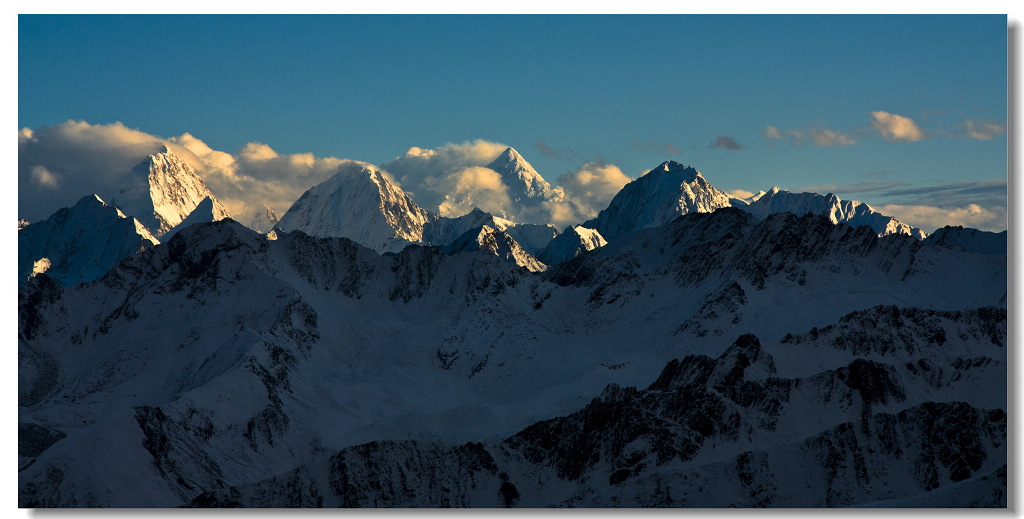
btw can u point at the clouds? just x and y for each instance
(593, 185)
(891, 127)
(429, 175)
(830, 138)
(452, 180)
(929, 218)
(820, 137)
(258, 175)
(896, 128)
(57, 165)
(466, 188)
(727, 143)
(660, 148)
(564, 153)
(44, 178)
(983, 130)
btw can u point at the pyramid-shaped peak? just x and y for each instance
(510, 155)
(510, 159)
(161, 191)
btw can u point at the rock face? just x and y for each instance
(802, 363)
(850, 212)
(664, 193)
(161, 192)
(79, 244)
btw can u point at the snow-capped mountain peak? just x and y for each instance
(361, 203)
(654, 199)
(522, 180)
(161, 191)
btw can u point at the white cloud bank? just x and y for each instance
(59, 164)
(447, 179)
(929, 218)
(593, 185)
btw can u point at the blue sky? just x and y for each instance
(907, 113)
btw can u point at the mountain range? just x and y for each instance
(364, 203)
(683, 348)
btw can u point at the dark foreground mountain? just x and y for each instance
(79, 243)
(222, 368)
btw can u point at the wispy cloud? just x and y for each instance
(771, 132)
(960, 194)
(44, 178)
(821, 137)
(564, 153)
(983, 130)
(879, 186)
(661, 148)
(895, 127)
(725, 142)
(830, 138)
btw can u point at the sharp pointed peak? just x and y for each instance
(510, 154)
(509, 157)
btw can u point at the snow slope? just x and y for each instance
(220, 364)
